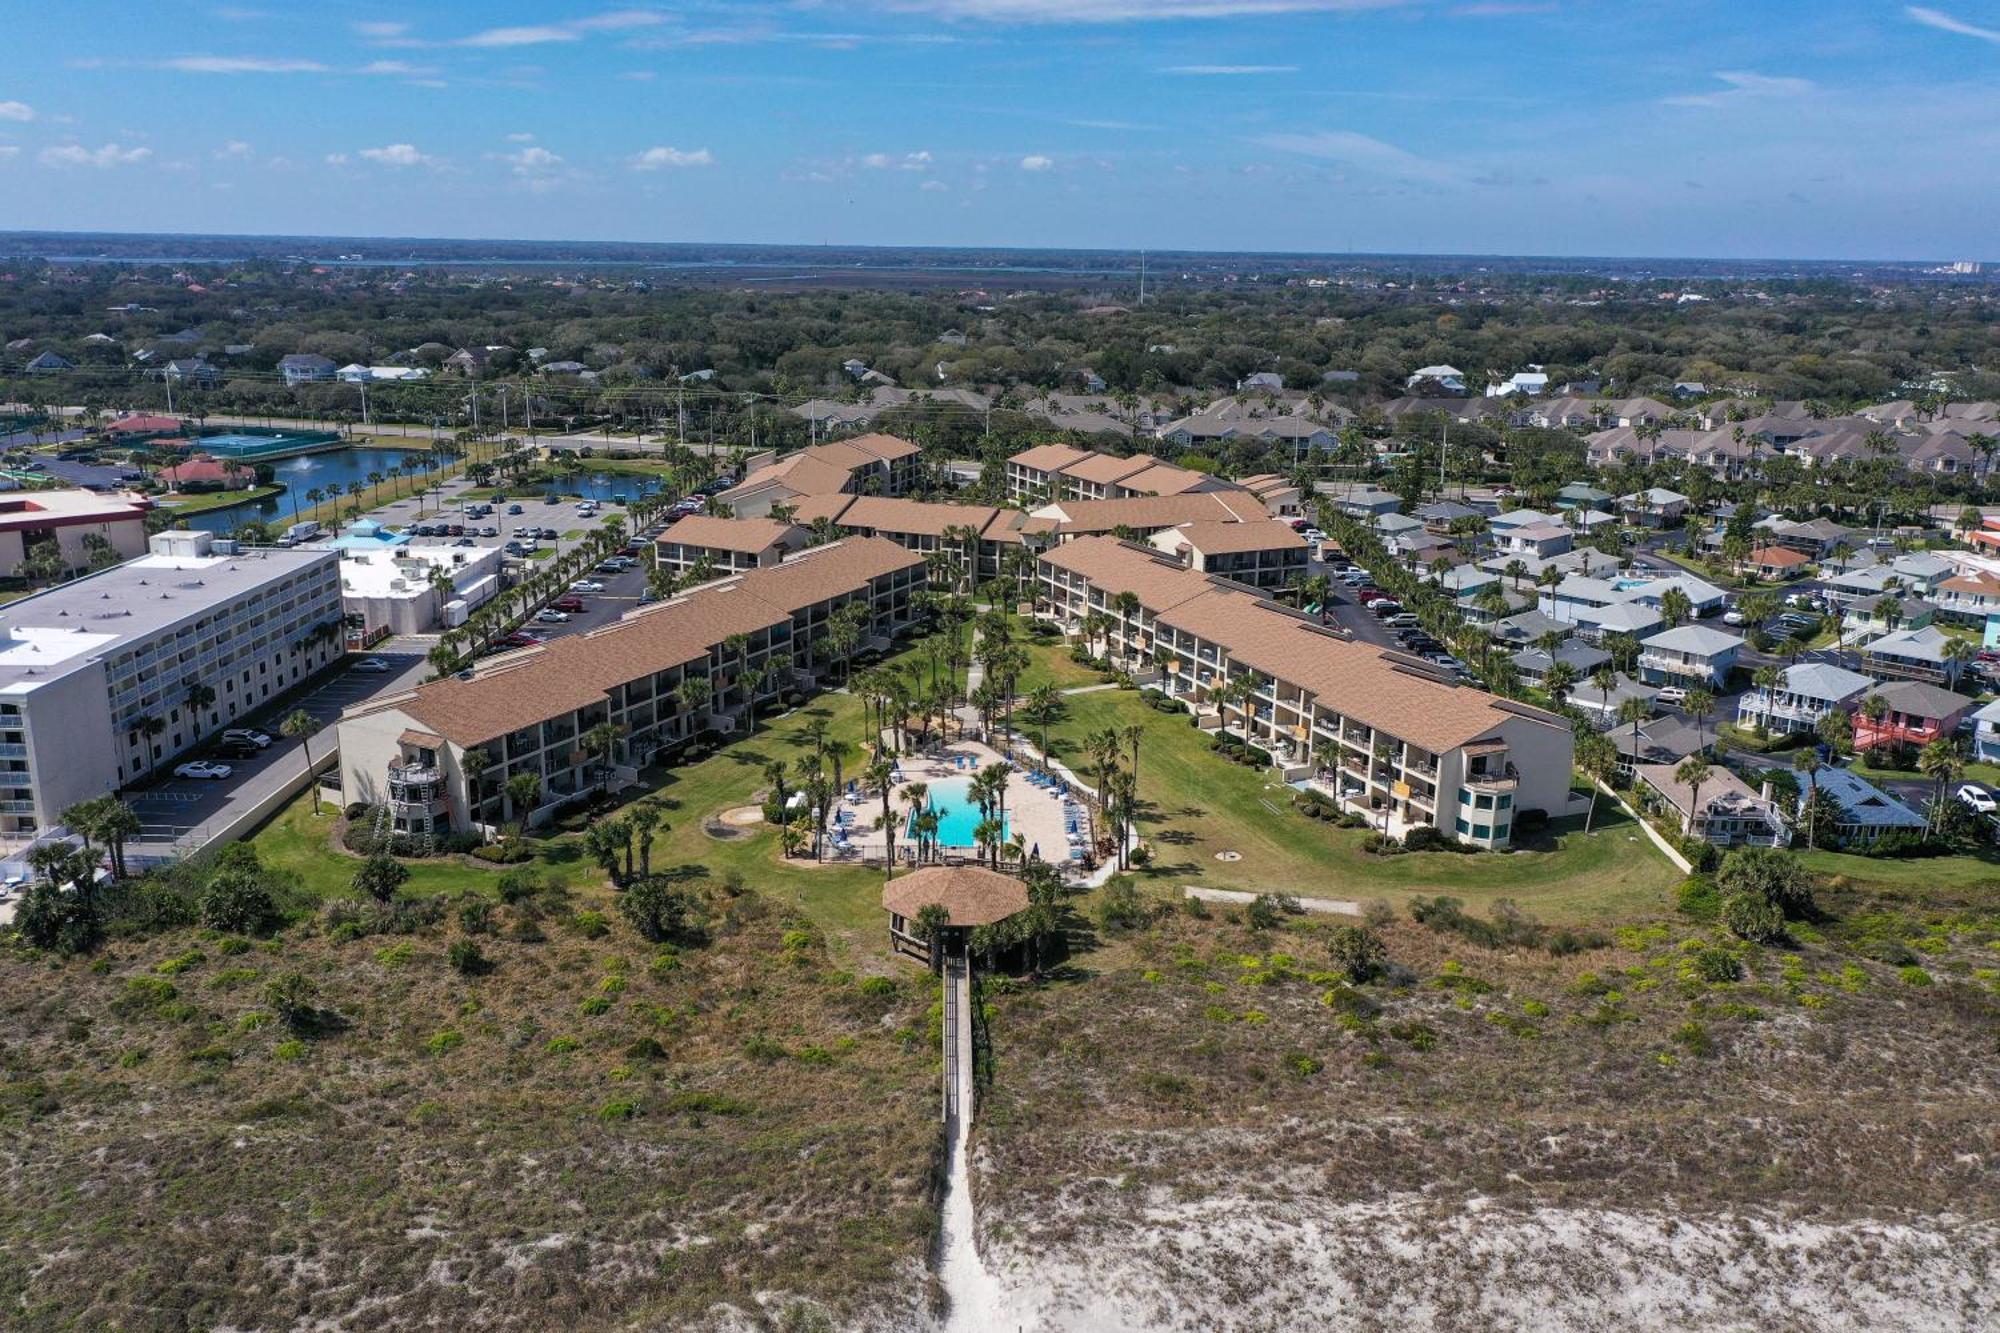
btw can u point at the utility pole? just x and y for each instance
(503, 409)
(1142, 277)
(364, 401)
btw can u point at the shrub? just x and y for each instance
(1303, 1065)
(1267, 911)
(618, 1110)
(466, 958)
(475, 917)
(1122, 907)
(505, 853)
(878, 986)
(380, 876)
(291, 997)
(440, 1043)
(1698, 898)
(1358, 952)
(1753, 917)
(238, 902)
(1715, 966)
(59, 920)
(1694, 1037)
(1425, 838)
(1770, 874)
(1381, 844)
(659, 910)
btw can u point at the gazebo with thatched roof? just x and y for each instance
(968, 897)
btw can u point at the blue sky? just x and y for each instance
(1666, 127)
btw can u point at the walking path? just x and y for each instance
(1091, 689)
(976, 1304)
(1333, 906)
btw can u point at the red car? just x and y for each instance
(1369, 596)
(567, 604)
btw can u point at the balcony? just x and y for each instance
(1506, 778)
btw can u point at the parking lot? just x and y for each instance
(177, 810)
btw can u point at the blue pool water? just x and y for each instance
(1626, 585)
(958, 813)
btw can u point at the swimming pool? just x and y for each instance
(1626, 585)
(957, 812)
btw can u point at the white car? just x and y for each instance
(1673, 694)
(553, 617)
(201, 768)
(588, 585)
(1735, 617)
(1980, 799)
(248, 735)
(374, 666)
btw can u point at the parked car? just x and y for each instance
(1979, 797)
(1384, 607)
(1403, 620)
(236, 750)
(1733, 616)
(489, 531)
(1673, 694)
(587, 585)
(567, 604)
(513, 509)
(515, 549)
(203, 770)
(550, 616)
(260, 739)
(551, 499)
(373, 666)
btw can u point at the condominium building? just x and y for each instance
(107, 679)
(661, 676)
(1380, 732)
(1144, 515)
(65, 522)
(1052, 472)
(983, 534)
(864, 465)
(727, 545)
(1263, 555)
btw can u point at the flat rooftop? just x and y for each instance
(56, 631)
(36, 509)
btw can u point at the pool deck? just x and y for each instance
(1034, 813)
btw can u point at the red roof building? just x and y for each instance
(202, 470)
(143, 427)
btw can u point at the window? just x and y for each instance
(1504, 800)
(1464, 827)
(1481, 832)
(1501, 830)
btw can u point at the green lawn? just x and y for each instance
(196, 504)
(1974, 772)
(1947, 873)
(297, 840)
(1202, 804)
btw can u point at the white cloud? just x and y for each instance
(241, 65)
(525, 36)
(655, 158)
(236, 148)
(1744, 85)
(381, 31)
(917, 161)
(1943, 22)
(110, 155)
(337, 159)
(1225, 70)
(618, 20)
(1036, 162)
(396, 155)
(935, 185)
(1365, 154)
(1122, 11)
(530, 160)
(520, 136)
(8, 150)
(16, 111)
(394, 67)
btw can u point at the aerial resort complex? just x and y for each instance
(825, 760)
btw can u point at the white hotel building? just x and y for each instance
(96, 675)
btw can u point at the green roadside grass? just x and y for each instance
(1918, 875)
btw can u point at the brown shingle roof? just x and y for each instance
(891, 514)
(972, 895)
(1050, 457)
(748, 535)
(1156, 511)
(522, 689)
(1166, 479)
(1103, 469)
(1214, 538)
(889, 448)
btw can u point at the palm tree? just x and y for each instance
(1943, 763)
(1559, 680)
(1699, 704)
(1807, 762)
(1604, 680)
(878, 775)
(523, 789)
(199, 696)
(299, 725)
(473, 763)
(600, 739)
(1693, 772)
(1595, 755)
(1634, 711)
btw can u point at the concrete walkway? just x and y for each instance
(1331, 906)
(976, 1300)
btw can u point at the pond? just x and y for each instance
(339, 467)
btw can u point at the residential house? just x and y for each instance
(1529, 383)
(1367, 502)
(1916, 713)
(1986, 734)
(1580, 657)
(194, 370)
(1540, 540)
(726, 545)
(1970, 599)
(49, 363)
(1436, 379)
(1582, 495)
(863, 465)
(1144, 515)
(1602, 708)
(947, 534)
(1729, 814)
(1654, 507)
(1283, 498)
(1866, 811)
(1807, 692)
(1689, 655)
(1778, 563)
(306, 368)
(1924, 654)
